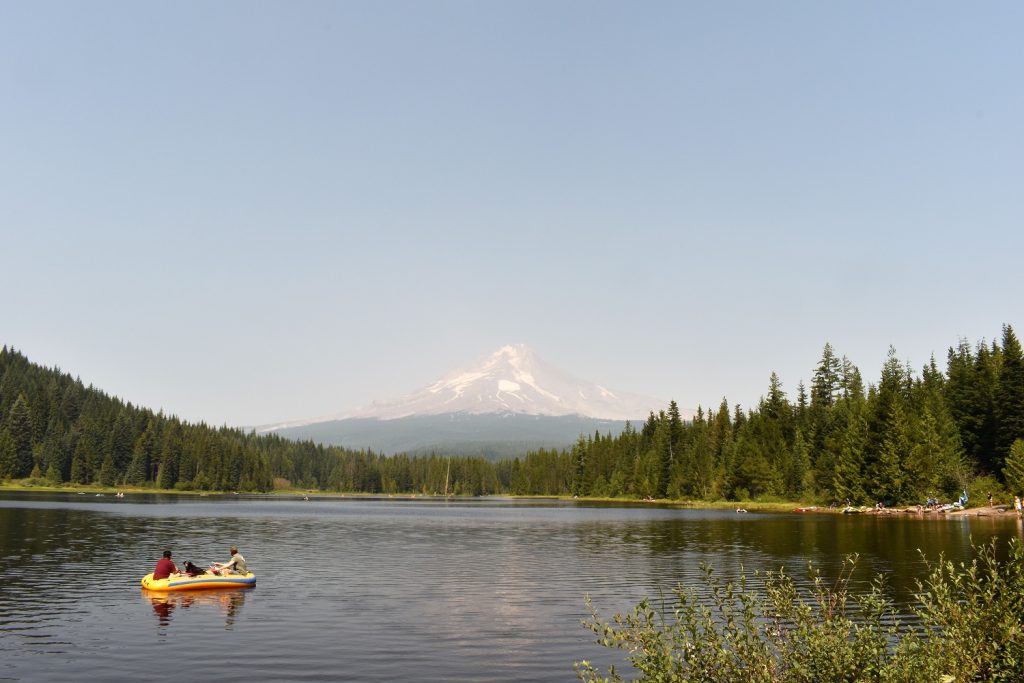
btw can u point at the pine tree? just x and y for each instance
(579, 460)
(889, 478)
(108, 472)
(54, 477)
(700, 459)
(827, 379)
(121, 440)
(143, 453)
(775, 407)
(8, 455)
(983, 391)
(884, 407)
(754, 474)
(848, 477)
(19, 424)
(1013, 471)
(666, 456)
(52, 454)
(924, 465)
(802, 407)
(170, 452)
(80, 472)
(800, 465)
(822, 428)
(958, 391)
(1009, 397)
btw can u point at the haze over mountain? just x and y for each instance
(515, 380)
(512, 396)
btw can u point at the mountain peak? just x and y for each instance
(514, 379)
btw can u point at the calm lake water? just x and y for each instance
(386, 590)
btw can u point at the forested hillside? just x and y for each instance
(53, 429)
(909, 436)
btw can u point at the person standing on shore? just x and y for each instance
(1017, 505)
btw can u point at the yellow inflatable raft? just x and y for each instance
(196, 583)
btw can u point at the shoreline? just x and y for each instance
(798, 507)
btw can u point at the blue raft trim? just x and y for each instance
(213, 579)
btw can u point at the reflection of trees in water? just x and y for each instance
(229, 602)
(669, 551)
(84, 544)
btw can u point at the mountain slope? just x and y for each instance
(492, 436)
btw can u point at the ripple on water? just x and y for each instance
(382, 591)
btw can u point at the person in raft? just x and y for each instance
(165, 567)
(236, 565)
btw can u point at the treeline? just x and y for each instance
(55, 430)
(907, 437)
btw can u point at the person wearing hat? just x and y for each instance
(236, 565)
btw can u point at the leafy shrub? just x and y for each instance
(969, 628)
(980, 487)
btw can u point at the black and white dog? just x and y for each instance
(193, 570)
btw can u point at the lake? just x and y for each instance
(355, 589)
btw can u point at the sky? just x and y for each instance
(246, 212)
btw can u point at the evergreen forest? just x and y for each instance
(906, 437)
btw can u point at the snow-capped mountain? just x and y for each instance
(504, 406)
(514, 379)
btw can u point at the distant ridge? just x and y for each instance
(491, 436)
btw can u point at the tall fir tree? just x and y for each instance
(891, 476)
(8, 454)
(19, 424)
(80, 471)
(825, 388)
(800, 465)
(108, 472)
(121, 440)
(170, 453)
(1013, 471)
(822, 427)
(1009, 395)
(579, 459)
(143, 453)
(848, 479)
(985, 377)
(666, 456)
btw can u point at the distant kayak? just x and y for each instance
(807, 509)
(201, 582)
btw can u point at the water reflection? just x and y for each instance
(463, 591)
(228, 602)
(898, 548)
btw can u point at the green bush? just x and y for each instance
(979, 488)
(968, 628)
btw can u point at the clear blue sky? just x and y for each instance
(243, 212)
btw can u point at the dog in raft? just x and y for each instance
(192, 570)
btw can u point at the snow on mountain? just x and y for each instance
(514, 380)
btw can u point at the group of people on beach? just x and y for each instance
(165, 567)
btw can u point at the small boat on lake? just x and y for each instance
(200, 582)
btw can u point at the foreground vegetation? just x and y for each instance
(968, 626)
(904, 439)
